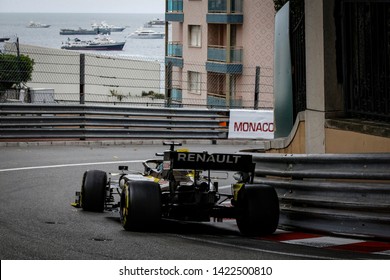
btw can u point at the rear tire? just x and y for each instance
(257, 210)
(140, 205)
(93, 190)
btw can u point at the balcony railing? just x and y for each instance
(222, 6)
(175, 49)
(218, 53)
(215, 101)
(174, 6)
(176, 94)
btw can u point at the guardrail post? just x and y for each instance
(82, 78)
(257, 88)
(82, 87)
(168, 91)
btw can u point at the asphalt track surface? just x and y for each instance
(38, 183)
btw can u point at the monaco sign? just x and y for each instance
(251, 124)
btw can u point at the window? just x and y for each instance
(194, 82)
(195, 36)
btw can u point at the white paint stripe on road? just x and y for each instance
(383, 253)
(324, 241)
(68, 165)
(251, 248)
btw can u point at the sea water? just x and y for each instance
(15, 25)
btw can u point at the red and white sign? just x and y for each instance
(251, 124)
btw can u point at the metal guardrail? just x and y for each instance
(42, 121)
(333, 193)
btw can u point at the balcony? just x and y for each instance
(175, 49)
(177, 95)
(219, 53)
(218, 6)
(174, 10)
(215, 101)
(225, 11)
(174, 61)
(219, 62)
(174, 54)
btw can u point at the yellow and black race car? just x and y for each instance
(179, 186)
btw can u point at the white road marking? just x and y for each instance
(323, 241)
(383, 253)
(68, 165)
(244, 247)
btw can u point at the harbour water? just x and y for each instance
(15, 25)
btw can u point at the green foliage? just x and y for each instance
(153, 95)
(118, 95)
(14, 70)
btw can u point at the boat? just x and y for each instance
(104, 25)
(146, 34)
(97, 44)
(33, 24)
(82, 31)
(4, 39)
(155, 23)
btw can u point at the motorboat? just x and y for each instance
(155, 23)
(97, 44)
(104, 25)
(33, 24)
(82, 31)
(146, 34)
(4, 39)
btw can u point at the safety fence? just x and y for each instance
(62, 76)
(333, 193)
(88, 122)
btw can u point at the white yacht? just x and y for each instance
(33, 24)
(146, 34)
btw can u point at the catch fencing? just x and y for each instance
(63, 76)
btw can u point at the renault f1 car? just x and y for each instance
(179, 186)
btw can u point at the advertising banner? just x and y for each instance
(251, 124)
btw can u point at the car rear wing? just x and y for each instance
(205, 161)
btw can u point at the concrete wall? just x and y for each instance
(336, 141)
(341, 141)
(315, 83)
(324, 92)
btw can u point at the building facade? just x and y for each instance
(215, 47)
(341, 78)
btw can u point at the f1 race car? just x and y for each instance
(179, 186)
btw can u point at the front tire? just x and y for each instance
(257, 210)
(140, 205)
(93, 190)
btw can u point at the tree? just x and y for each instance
(14, 70)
